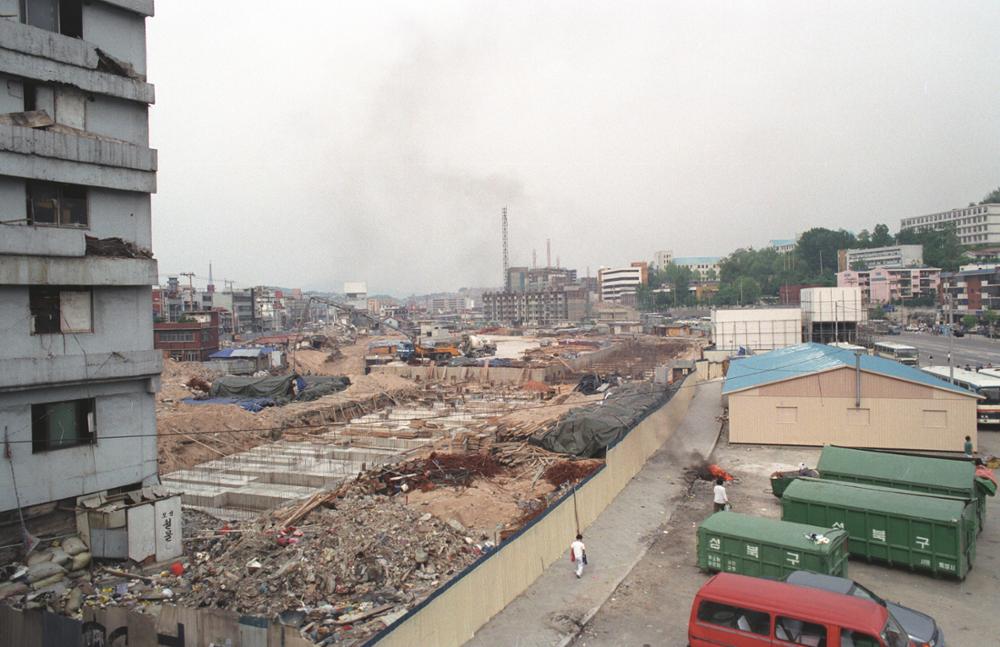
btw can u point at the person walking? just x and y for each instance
(578, 554)
(967, 448)
(721, 499)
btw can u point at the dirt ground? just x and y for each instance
(346, 360)
(652, 605)
(190, 434)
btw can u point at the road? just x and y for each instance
(971, 349)
(651, 607)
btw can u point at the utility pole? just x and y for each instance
(506, 258)
(190, 277)
(951, 342)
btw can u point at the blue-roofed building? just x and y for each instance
(782, 245)
(813, 394)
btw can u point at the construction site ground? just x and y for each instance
(385, 508)
(653, 604)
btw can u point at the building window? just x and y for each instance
(174, 336)
(57, 310)
(58, 205)
(58, 425)
(787, 415)
(61, 16)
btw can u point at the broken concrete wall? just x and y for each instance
(453, 614)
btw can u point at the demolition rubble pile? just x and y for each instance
(348, 568)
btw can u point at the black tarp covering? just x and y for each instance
(319, 385)
(588, 431)
(278, 388)
(232, 386)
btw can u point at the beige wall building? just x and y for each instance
(808, 395)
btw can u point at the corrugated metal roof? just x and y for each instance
(230, 353)
(807, 359)
(773, 531)
(922, 471)
(875, 499)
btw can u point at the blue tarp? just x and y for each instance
(253, 405)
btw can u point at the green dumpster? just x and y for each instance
(951, 477)
(740, 543)
(920, 531)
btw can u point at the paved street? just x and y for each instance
(971, 349)
(552, 610)
(651, 607)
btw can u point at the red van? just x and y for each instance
(739, 611)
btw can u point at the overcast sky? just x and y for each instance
(305, 144)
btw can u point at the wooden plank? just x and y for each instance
(253, 631)
(216, 626)
(60, 631)
(177, 626)
(29, 119)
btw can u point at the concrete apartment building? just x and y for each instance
(618, 282)
(703, 266)
(663, 258)
(539, 308)
(971, 290)
(975, 225)
(192, 340)
(891, 284)
(78, 370)
(782, 245)
(891, 256)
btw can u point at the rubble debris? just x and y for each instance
(366, 556)
(198, 385)
(115, 247)
(569, 471)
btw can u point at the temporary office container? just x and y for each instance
(740, 543)
(921, 531)
(951, 477)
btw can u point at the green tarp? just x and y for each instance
(589, 431)
(277, 388)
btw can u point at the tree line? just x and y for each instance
(750, 275)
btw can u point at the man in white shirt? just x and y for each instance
(720, 496)
(578, 554)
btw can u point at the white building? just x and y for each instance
(78, 371)
(701, 265)
(832, 314)
(782, 246)
(756, 329)
(616, 282)
(891, 256)
(976, 225)
(663, 258)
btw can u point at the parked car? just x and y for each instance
(957, 332)
(922, 629)
(732, 610)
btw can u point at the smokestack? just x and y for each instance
(548, 252)
(534, 259)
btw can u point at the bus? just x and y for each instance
(900, 352)
(985, 384)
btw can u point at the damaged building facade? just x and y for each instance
(78, 370)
